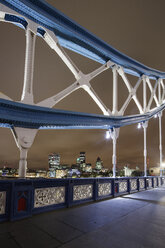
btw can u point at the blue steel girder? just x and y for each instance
(14, 114)
(73, 36)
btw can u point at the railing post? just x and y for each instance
(69, 192)
(152, 182)
(146, 182)
(138, 184)
(113, 186)
(129, 185)
(95, 189)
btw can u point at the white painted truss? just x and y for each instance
(24, 139)
(83, 80)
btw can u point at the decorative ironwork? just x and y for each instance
(81, 192)
(2, 202)
(104, 189)
(155, 182)
(150, 183)
(123, 186)
(141, 184)
(49, 196)
(133, 184)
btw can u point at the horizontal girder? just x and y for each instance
(14, 114)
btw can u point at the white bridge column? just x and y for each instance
(24, 138)
(160, 141)
(145, 125)
(115, 90)
(114, 136)
(27, 93)
(23, 162)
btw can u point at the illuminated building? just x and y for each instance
(83, 166)
(41, 173)
(154, 171)
(54, 161)
(81, 159)
(73, 172)
(60, 173)
(75, 166)
(99, 164)
(128, 171)
(88, 168)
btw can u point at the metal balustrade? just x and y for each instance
(23, 198)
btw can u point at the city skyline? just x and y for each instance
(51, 75)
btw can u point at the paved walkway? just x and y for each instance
(131, 221)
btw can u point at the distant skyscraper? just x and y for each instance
(88, 168)
(81, 159)
(54, 161)
(99, 164)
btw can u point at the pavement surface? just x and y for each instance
(131, 221)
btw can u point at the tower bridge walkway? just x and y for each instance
(136, 220)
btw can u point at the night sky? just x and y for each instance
(136, 28)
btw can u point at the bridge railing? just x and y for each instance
(20, 198)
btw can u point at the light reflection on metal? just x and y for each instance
(108, 134)
(139, 125)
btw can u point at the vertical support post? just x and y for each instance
(145, 125)
(27, 93)
(160, 126)
(24, 139)
(115, 90)
(144, 94)
(159, 90)
(23, 162)
(160, 141)
(114, 136)
(114, 157)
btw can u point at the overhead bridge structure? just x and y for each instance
(26, 117)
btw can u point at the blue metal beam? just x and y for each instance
(14, 114)
(74, 37)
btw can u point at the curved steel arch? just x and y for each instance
(39, 18)
(75, 37)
